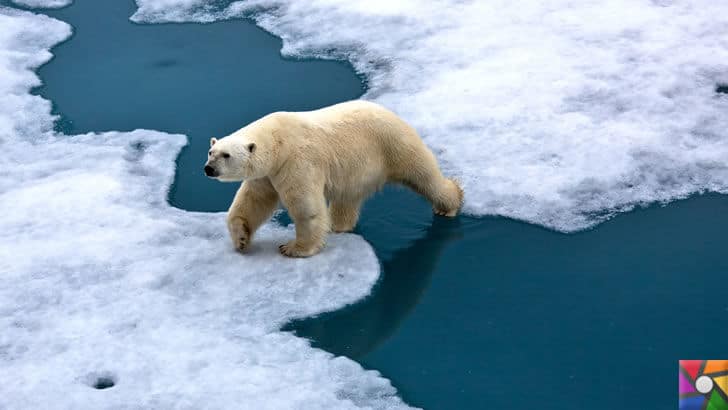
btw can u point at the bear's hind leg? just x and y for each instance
(254, 203)
(344, 215)
(444, 194)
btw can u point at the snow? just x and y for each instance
(104, 282)
(50, 4)
(559, 113)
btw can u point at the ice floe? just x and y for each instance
(559, 113)
(46, 4)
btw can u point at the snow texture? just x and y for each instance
(46, 4)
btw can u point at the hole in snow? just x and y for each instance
(722, 88)
(101, 381)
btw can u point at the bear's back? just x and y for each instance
(359, 145)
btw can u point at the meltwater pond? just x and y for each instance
(470, 312)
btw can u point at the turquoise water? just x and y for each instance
(470, 312)
(193, 79)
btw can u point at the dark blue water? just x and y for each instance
(499, 314)
(470, 312)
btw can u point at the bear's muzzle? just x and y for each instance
(210, 171)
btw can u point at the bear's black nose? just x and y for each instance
(209, 171)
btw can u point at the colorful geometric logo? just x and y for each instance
(703, 384)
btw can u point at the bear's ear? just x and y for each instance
(213, 140)
(251, 147)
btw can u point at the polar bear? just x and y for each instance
(322, 165)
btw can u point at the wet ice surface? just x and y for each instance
(558, 113)
(110, 298)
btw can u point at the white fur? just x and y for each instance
(322, 165)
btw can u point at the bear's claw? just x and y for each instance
(445, 213)
(242, 243)
(291, 250)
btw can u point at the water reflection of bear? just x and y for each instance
(406, 273)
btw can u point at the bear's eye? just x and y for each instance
(209, 153)
(225, 155)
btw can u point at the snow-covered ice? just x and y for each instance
(49, 4)
(559, 112)
(102, 279)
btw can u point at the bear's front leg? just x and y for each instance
(311, 217)
(254, 203)
(239, 232)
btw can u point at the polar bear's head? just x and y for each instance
(237, 157)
